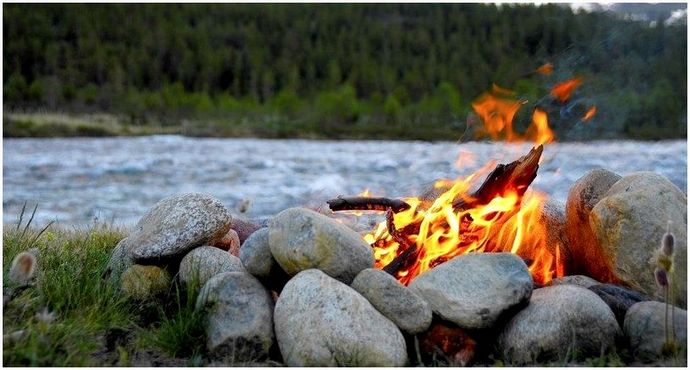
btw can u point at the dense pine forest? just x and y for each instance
(338, 70)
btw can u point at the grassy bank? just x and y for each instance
(72, 316)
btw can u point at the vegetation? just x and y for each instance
(338, 70)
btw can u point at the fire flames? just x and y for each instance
(508, 223)
(512, 221)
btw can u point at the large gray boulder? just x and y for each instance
(320, 321)
(176, 225)
(629, 222)
(302, 239)
(407, 309)
(644, 328)
(239, 317)
(473, 290)
(205, 262)
(559, 321)
(583, 196)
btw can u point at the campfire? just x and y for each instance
(499, 216)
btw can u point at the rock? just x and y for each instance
(203, 263)
(230, 242)
(239, 317)
(629, 222)
(145, 282)
(473, 290)
(583, 196)
(257, 259)
(120, 260)
(244, 228)
(618, 298)
(560, 321)
(552, 216)
(301, 239)
(256, 254)
(176, 225)
(410, 312)
(644, 328)
(320, 321)
(579, 280)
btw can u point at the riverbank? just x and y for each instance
(266, 126)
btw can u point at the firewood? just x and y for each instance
(367, 204)
(517, 175)
(445, 341)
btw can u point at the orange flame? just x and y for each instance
(564, 89)
(497, 114)
(508, 223)
(590, 113)
(545, 69)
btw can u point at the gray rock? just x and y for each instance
(203, 263)
(618, 298)
(583, 196)
(256, 254)
(629, 222)
(145, 282)
(560, 321)
(239, 317)
(301, 239)
(177, 224)
(409, 311)
(473, 290)
(552, 216)
(644, 328)
(120, 260)
(579, 280)
(320, 321)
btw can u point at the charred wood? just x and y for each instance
(367, 204)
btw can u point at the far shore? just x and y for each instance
(62, 125)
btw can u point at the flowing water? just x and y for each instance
(78, 181)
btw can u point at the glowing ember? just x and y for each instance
(563, 90)
(590, 114)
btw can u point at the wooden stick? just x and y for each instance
(367, 204)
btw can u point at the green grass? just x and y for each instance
(94, 324)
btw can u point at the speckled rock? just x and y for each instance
(239, 317)
(145, 282)
(301, 239)
(320, 321)
(629, 222)
(473, 290)
(230, 242)
(558, 320)
(177, 224)
(120, 260)
(644, 328)
(407, 309)
(203, 263)
(583, 196)
(579, 280)
(257, 259)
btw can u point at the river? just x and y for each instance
(79, 181)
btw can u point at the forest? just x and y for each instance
(377, 71)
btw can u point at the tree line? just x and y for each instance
(393, 70)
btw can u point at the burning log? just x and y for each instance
(515, 176)
(367, 204)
